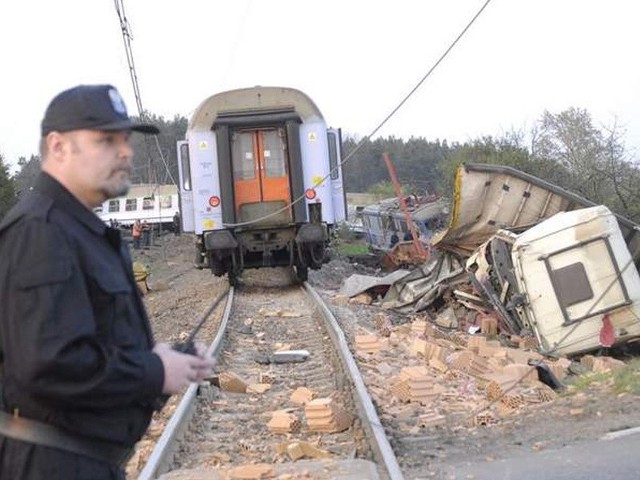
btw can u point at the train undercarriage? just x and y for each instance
(230, 251)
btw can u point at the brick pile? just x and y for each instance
(323, 415)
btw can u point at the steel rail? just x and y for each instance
(159, 460)
(371, 422)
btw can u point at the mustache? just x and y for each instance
(128, 170)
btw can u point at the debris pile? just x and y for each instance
(523, 259)
(433, 378)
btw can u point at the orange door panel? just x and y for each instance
(273, 166)
(260, 167)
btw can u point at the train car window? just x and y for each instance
(165, 201)
(274, 154)
(131, 204)
(114, 206)
(333, 155)
(186, 167)
(243, 161)
(98, 209)
(147, 203)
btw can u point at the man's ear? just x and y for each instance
(55, 146)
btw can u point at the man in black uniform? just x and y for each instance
(81, 372)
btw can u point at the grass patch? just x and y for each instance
(627, 379)
(584, 381)
(350, 249)
(623, 380)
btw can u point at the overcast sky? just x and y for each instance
(355, 59)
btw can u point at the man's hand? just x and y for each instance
(181, 369)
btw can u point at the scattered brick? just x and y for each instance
(230, 382)
(323, 415)
(300, 449)
(489, 326)
(416, 384)
(302, 395)
(368, 344)
(362, 299)
(264, 377)
(475, 342)
(520, 371)
(485, 418)
(258, 387)
(431, 419)
(606, 364)
(256, 471)
(284, 421)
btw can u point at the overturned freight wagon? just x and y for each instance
(548, 261)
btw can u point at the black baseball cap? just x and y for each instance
(90, 107)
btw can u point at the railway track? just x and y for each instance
(229, 428)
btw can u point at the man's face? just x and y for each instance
(98, 164)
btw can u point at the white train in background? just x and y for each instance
(157, 204)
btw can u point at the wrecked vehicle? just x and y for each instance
(543, 261)
(385, 218)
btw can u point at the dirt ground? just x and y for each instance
(586, 411)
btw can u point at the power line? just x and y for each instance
(127, 37)
(428, 74)
(386, 119)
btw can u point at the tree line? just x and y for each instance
(566, 149)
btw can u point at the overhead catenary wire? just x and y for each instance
(126, 38)
(379, 126)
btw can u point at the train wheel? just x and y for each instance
(217, 266)
(302, 274)
(233, 278)
(316, 254)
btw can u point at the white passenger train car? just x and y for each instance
(157, 204)
(260, 181)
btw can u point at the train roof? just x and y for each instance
(245, 100)
(420, 211)
(147, 190)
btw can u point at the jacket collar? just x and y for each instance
(65, 200)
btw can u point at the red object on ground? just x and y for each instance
(607, 334)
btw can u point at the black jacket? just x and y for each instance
(73, 330)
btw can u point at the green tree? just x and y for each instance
(416, 161)
(570, 139)
(26, 176)
(7, 190)
(507, 150)
(157, 162)
(593, 162)
(387, 189)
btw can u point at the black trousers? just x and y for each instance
(24, 461)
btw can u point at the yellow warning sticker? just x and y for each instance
(208, 224)
(203, 145)
(312, 137)
(317, 180)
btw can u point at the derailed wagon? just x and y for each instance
(547, 261)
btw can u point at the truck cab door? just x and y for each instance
(185, 188)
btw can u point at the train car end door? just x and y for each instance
(260, 172)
